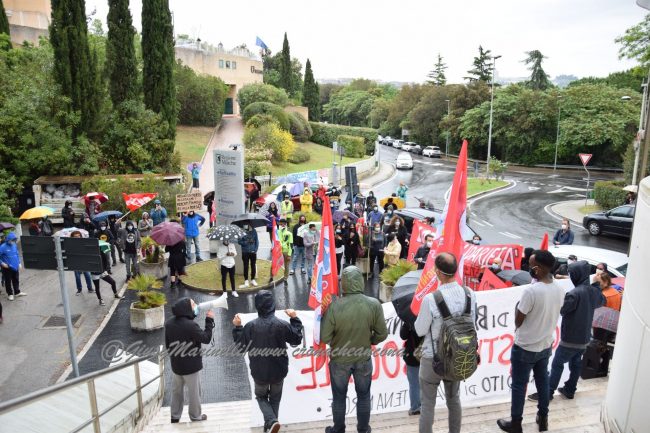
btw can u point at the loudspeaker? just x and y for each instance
(351, 180)
(220, 302)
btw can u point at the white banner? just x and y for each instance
(228, 184)
(307, 395)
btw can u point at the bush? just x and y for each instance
(390, 275)
(497, 168)
(257, 162)
(201, 97)
(299, 156)
(299, 127)
(147, 287)
(354, 146)
(260, 120)
(259, 92)
(270, 137)
(609, 194)
(325, 134)
(267, 108)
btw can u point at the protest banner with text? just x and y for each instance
(187, 202)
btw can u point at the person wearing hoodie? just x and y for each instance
(306, 200)
(104, 234)
(68, 214)
(192, 221)
(183, 339)
(46, 226)
(577, 315)
(268, 332)
(250, 243)
(116, 227)
(158, 213)
(355, 322)
(176, 263)
(130, 240)
(145, 225)
(103, 275)
(10, 264)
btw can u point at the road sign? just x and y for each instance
(585, 158)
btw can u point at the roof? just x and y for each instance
(45, 180)
(591, 254)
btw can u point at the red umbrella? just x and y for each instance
(168, 233)
(99, 196)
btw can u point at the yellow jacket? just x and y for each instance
(306, 200)
(392, 252)
(286, 209)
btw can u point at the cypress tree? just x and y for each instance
(158, 61)
(311, 94)
(72, 61)
(285, 67)
(120, 53)
(4, 22)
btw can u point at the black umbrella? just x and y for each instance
(209, 196)
(255, 181)
(516, 276)
(252, 219)
(227, 232)
(403, 292)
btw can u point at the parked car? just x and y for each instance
(388, 141)
(397, 144)
(404, 160)
(617, 221)
(432, 152)
(406, 147)
(416, 149)
(409, 214)
(616, 262)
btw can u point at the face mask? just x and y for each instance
(377, 229)
(495, 266)
(429, 244)
(245, 227)
(196, 310)
(102, 227)
(338, 232)
(533, 272)
(312, 230)
(397, 223)
(476, 241)
(191, 214)
(130, 228)
(375, 208)
(570, 262)
(564, 226)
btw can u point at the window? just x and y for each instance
(221, 63)
(227, 64)
(234, 64)
(621, 212)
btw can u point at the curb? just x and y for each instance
(219, 292)
(389, 174)
(481, 194)
(549, 209)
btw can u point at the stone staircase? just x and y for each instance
(580, 415)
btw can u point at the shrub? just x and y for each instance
(325, 134)
(390, 275)
(609, 194)
(267, 108)
(299, 127)
(257, 162)
(201, 97)
(261, 119)
(271, 137)
(299, 156)
(148, 295)
(354, 146)
(497, 168)
(259, 92)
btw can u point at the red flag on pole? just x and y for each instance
(451, 240)
(544, 245)
(324, 282)
(277, 259)
(490, 281)
(136, 201)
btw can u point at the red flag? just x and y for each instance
(544, 245)
(324, 282)
(136, 201)
(451, 240)
(277, 259)
(490, 281)
(419, 232)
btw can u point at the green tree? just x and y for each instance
(4, 22)
(437, 76)
(285, 66)
(259, 92)
(629, 79)
(270, 136)
(482, 70)
(635, 43)
(158, 56)
(201, 98)
(273, 75)
(311, 93)
(538, 78)
(120, 53)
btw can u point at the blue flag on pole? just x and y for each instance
(260, 43)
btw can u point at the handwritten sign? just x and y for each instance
(188, 202)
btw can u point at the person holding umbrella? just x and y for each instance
(158, 213)
(176, 262)
(196, 171)
(46, 226)
(249, 246)
(226, 255)
(34, 228)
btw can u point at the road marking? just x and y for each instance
(473, 214)
(510, 235)
(487, 223)
(533, 188)
(552, 214)
(472, 201)
(476, 222)
(577, 195)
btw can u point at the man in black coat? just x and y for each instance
(183, 339)
(268, 332)
(423, 252)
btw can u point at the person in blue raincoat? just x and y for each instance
(158, 214)
(10, 264)
(195, 175)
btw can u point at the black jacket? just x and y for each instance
(422, 253)
(352, 246)
(268, 332)
(579, 305)
(187, 334)
(377, 241)
(297, 240)
(68, 216)
(411, 341)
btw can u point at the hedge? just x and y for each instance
(609, 194)
(270, 109)
(299, 127)
(325, 134)
(354, 146)
(299, 156)
(258, 92)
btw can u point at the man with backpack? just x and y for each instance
(446, 321)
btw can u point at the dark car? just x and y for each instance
(409, 214)
(417, 149)
(617, 221)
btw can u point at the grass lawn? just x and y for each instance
(477, 185)
(321, 157)
(191, 142)
(206, 275)
(589, 209)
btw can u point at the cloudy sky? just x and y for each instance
(398, 40)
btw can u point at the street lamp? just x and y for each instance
(447, 146)
(487, 169)
(640, 133)
(557, 137)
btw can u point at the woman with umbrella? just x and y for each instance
(226, 255)
(176, 262)
(272, 213)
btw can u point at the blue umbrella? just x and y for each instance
(104, 215)
(297, 189)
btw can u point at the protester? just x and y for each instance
(577, 315)
(354, 322)
(283, 194)
(104, 275)
(397, 228)
(115, 227)
(249, 246)
(130, 240)
(182, 331)
(286, 209)
(431, 220)
(412, 342)
(401, 191)
(389, 206)
(318, 206)
(46, 226)
(476, 240)
(374, 215)
(351, 250)
(428, 325)
(562, 271)
(377, 242)
(10, 264)
(339, 247)
(158, 213)
(528, 251)
(613, 298)
(208, 201)
(346, 225)
(423, 252)
(536, 317)
(93, 207)
(306, 201)
(77, 274)
(68, 214)
(286, 242)
(145, 225)
(564, 236)
(104, 234)
(392, 250)
(310, 240)
(298, 247)
(270, 333)
(192, 221)
(226, 255)
(176, 263)
(87, 224)
(196, 172)
(272, 214)
(34, 228)
(371, 201)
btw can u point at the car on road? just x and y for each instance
(617, 221)
(410, 214)
(397, 144)
(406, 147)
(432, 152)
(404, 160)
(616, 262)
(388, 141)
(416, 149)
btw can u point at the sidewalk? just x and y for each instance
(571, 210)
(382, 173)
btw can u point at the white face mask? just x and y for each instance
(429, 244)
(397, 223)
(476, 241)
(564, 226)
(495, 265)
(570, 262)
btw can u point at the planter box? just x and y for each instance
(147, 320)
(363, 264)
(385, 292)
(158, 270)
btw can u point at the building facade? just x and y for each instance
(28, 19)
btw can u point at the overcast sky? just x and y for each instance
(399, 40)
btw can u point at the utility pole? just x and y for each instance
(487, 168)
(447, 146)
(557, 137)
(640, 135)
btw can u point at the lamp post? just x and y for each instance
(487, 168)
(557, 137)
(447, 146)
(641, 131)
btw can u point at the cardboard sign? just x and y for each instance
(188, 202)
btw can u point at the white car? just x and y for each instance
(397, 144)
(432, 152)
(616, 262)
(404, 160)
(407, 146)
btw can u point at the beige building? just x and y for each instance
(28, 19)
(236, 67)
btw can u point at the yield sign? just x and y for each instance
(585, 157)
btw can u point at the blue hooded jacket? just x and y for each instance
(250, 242)
(192, 224)
(9, 252)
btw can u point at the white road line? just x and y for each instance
(547, 209)
(487, 223)
(473, 200)
(512, 235)
(473, 214)
(478, 223)
(506, 234)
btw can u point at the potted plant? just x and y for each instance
(148, 312)
(389, 277)
(153, 262)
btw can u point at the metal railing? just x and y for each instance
(90, 380)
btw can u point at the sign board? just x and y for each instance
(585, 157)
(79, 254)
(335, 146)
(229, 193)
(406, 132)
(188, 202)
(38, 252)
(303, 176)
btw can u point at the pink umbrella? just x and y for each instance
(190, 166)
(168, 233)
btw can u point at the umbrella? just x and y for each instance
(403, 292)
(209, 196)
(516, 276)
(37, 212)
(104, 246)
(168, 233)
(251, 219)
(303, 229)
(67, 232)
(298, 188)
(631, 188)
(264, 210)
(396, 201)
(5, 226)
(255, 181)
(99, 196)
(337, 217)
(104, 215)
(227, 233)
(190, 166)
(606, 318)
